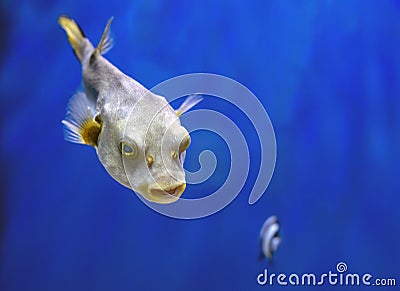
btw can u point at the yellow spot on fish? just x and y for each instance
(174, 154)
(150, 160)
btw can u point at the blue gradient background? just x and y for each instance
(328, 73)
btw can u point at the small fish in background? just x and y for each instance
(125, 122)
(269, 237)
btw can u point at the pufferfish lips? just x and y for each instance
(165, 194)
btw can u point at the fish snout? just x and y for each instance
(166, 194)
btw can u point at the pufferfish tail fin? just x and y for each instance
(80, 123)
(74, 33)
(189, 102)
(106, 41)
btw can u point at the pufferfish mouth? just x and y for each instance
(165, 195)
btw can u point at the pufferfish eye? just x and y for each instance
(129, 150)
(184, 144)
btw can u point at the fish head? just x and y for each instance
(166, 144)
(152, 151)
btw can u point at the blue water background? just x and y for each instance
(327, 72)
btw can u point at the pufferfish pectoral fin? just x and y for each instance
(189, 102)
(80, 124)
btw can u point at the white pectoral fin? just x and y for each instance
(80, 125)
(189, 102)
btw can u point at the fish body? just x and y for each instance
(269, 237)
(137, 135)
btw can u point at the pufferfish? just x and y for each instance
(137, 135)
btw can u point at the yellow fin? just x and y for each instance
(90, 132)
(80, 124)
(74, 33)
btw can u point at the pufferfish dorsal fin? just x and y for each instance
(106, 41)
(189, 102)
(80, 124)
